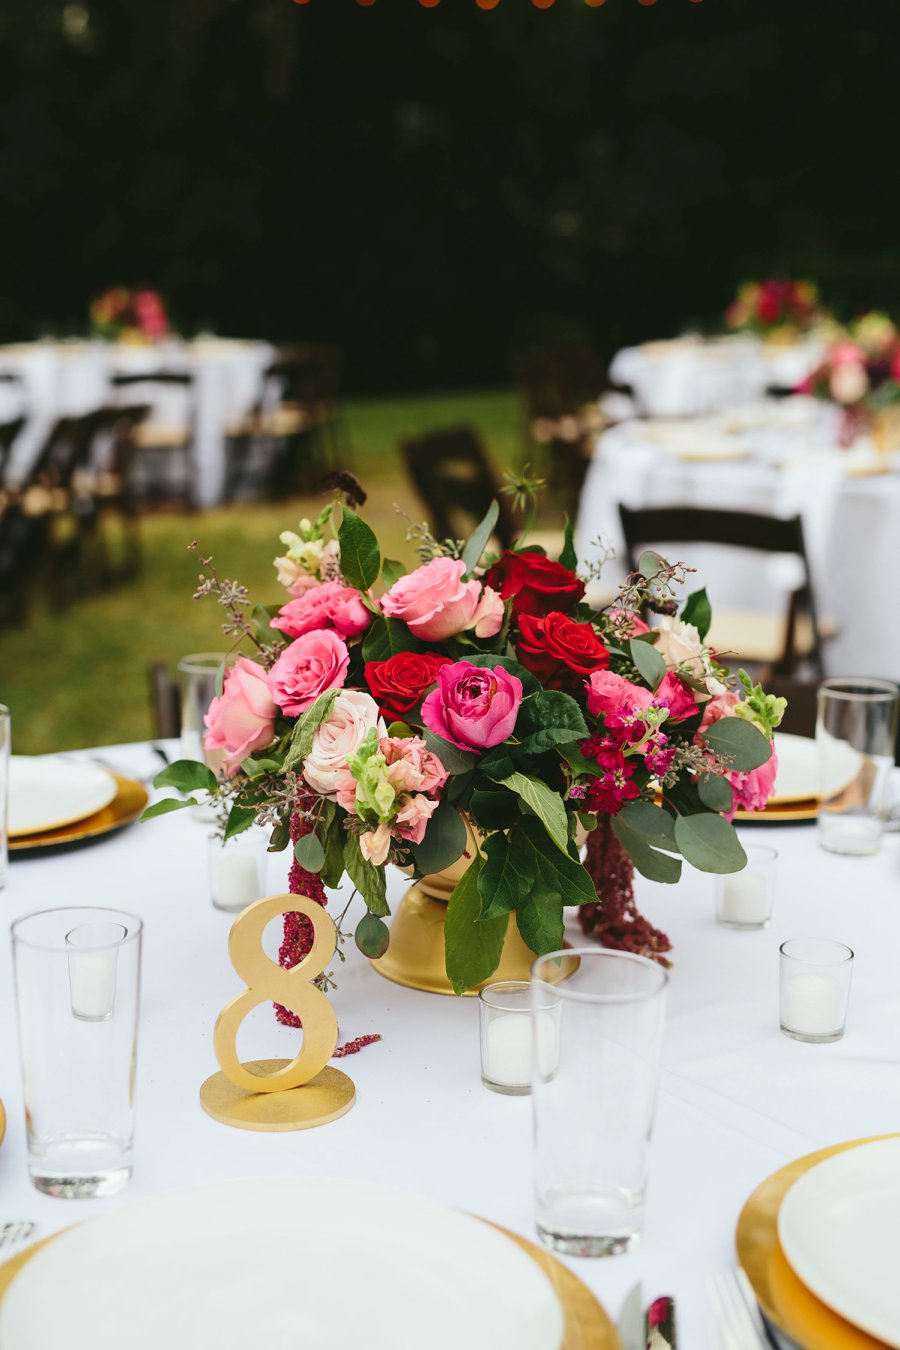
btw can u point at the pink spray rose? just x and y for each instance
(434, 601)
(350, 719)
(307, 668)
(610, 694)
(329, 605)
(243, 718)
(411, 767)
(471, 707)
(413, 817)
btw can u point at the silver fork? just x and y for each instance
(735, 1314)
(13, 1236)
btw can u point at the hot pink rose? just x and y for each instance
(434, 601)
(307, 668)
(678, 695)
(473, 708)
(608, 693)
(243, 718)
(411, 767)
(329, 605)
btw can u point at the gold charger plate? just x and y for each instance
(587, 1326)
(783, 1297)
(780, 813)
(130, 799)
(2, 1123)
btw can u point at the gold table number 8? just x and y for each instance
(278, 1094)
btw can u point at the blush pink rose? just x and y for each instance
(411, 767)
(611, 694)
(678, 695)
(488, 617)
(472, 707)
(307, 668)
(350, 719)
(242, 719)
(434, 601)
(329, 605)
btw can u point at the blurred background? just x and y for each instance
(373, 223)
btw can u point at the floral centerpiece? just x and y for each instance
(860, 373)
(131, 316)
(777, 309)
(389, 715)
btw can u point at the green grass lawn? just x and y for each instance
(79, 677)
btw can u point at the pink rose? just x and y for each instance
(611, 694)
(678, 695)
(243, 718)
(329, 605)
(723, 706)
(350, 719)
(488, 617)
(412, 820)
(471, 707)
(307, 668)
(411, 767)
(434, 601)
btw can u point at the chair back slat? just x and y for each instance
(452, 474)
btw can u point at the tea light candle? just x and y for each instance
(813, 1004)
(745, 899)
(235, 880)
(507, 1051)
(92, 983)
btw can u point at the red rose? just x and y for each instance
(536, 584)
(559, 651)
(399, 682)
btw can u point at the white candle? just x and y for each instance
(236, 881)
(92, 983)
(745, 899)
(507, 1052)
(813, 1004)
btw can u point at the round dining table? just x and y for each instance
(737, 1098)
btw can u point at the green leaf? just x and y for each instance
(739, 742)
(650, 563)
(709, 843)
(368, 880)
(444, 840)
(540, 920)
(333, 839)
(500, 762)
(472, 945)
(255, 768)
(552, 718)
(240, 818)
(644, 830)
(262, 618)
(471, 554)
(165, 806)
(279, 838)
(487, 661)
(503, 883)
(309, 852)
(387, 637)
(186, 775)
(576, 761)
(715, 792)
(568, 557)
(360, 554)
(698, 611)
(536, 857)
(648, 661)
(372, 936)
(306, 727)
(459, 786)
(391, 571)
(453, 759)
(494, 810)
(546, 804)
(400, 730)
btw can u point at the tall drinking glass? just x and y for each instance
(5, 744)
(197, 676)
(856, 730)
(77, 993)
(594, 1096)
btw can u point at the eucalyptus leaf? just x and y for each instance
(472, 945)
(647, 834)
(444, 840)
(372, 936)
(648, 661)
(167, 804)
(360, 554)
(368, 880)
(471, 554)
(186, 775)
(453, 759)
(715, 792)
(650, 564)
(309, 852)
(698, 611)
(710, 843)
(739, 742)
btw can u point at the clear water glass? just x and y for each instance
(197, 677)
(856, 731)
(505, 1024)
(238, 869)
(814, 989)
(5, 748)
(745, 899)
(594, 1096)
(77, 973)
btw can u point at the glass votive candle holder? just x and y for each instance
(237, 870)
(745, 899)
(508, 1025)
(814, 989)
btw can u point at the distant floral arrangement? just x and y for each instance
(776, 308)
(860, 373)
(132, 316)
(388, 707)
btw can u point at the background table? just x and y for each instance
(738, 1099)
(60, 379)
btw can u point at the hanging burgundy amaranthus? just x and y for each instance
(615, 921)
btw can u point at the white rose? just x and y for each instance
(353, 715)
(680, 646)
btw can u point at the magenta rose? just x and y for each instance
(329, 605)
(243, 718)
(316, 662)
(433, 601)
(608, 693)
(472, 707)
(678, 696)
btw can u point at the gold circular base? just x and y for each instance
(324, 1098)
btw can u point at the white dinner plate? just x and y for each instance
(286, 1263)
(839, 1230)
(46, 793)
(797, 779)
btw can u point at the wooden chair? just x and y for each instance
(163, 467)
(761, 639)
(165, 701)
(108, 482)
(9, 432)
(451, 473)
(560, 386)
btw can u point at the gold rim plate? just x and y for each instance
(130, 799)
(587, 1327)
(780, 813)
(783, 1297)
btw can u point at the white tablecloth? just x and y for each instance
(61, 379)
(695, 375)
(850, 520)
(738, 1099)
